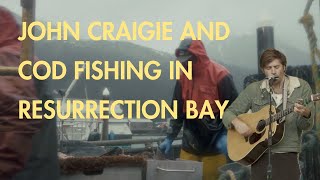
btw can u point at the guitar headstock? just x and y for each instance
(315, 97)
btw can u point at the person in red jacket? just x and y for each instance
(15, 134)
(203, 139)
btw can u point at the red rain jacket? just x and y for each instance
(210, 81)
(206, 76)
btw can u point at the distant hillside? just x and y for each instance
(120, 89)
(239, 55)
(111, 51)
(242, 51)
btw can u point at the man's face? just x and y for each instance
(184, 56)
(275, 68)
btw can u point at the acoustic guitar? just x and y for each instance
(247, 150)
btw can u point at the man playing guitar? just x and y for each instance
(286, 91)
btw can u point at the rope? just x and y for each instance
(308, 23)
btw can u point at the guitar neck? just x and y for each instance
(282, 114)
(287, 111)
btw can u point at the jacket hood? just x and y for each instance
(196, 48)
(9, 32)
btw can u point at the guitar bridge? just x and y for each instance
(254, 137)
(246, 139)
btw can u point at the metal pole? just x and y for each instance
(117, 142)
(64, 100)
(105, 124)
(8, 71)
(265, 40)
(28, 16)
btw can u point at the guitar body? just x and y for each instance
(248, 150)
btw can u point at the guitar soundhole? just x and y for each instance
(261, 125)
(255, 137)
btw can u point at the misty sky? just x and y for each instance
(243, 17)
